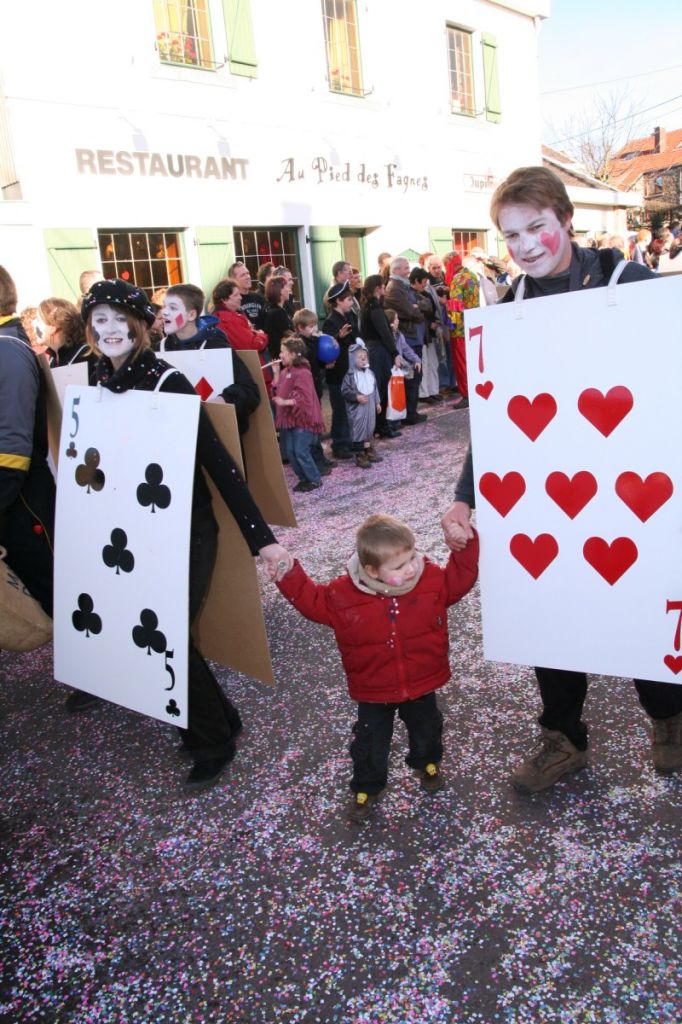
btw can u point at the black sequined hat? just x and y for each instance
(119, 293)
(337, 291)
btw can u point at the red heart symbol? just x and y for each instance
(531, 417)
(605, 411)
(571, 494)
(502, 494)
(644, 497)
(610, 560)
(484, 389)
(534, 555)
(673, 663)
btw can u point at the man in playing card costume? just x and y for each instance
(532, 210)
(27, 491)
(117, 317)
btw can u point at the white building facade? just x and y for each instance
(160, 140)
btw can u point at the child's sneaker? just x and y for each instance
(361, 805)
(431, 778)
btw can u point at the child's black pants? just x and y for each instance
(372, 733)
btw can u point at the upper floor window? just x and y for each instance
(183, 33)
(461, 68)
(343, 49)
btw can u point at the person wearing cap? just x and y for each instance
(117, 317)
(342, 325)
(27, 492)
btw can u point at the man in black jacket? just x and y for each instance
(533, 212)
(27, 492)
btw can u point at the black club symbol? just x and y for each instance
(87, 474)
(147, 635)
(154, 492)
(116, 554)
(86, 619)
(71, 452)
(172, 709)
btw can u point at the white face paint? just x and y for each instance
(112, 335)
(537, 240)
(175, 314)
(41, 330)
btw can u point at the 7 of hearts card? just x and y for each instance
(576, 422)
(124, 505)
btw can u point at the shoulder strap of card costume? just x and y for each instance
(164, 376)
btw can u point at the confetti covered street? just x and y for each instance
(126, 901)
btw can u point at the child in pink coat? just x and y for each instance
(298, 415)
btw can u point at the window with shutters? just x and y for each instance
(343, 48)
(461, 67)
(183, 33)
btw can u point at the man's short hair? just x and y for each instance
(304, 318)
(398, 261)
(191, 295)
(87, 279)
(380, 537)
(532, 186)
(339, 266)
(8, 294)
(236, 266)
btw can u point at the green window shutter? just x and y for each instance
(216, 254)
(440, 240)
(493, 108)
(326, 248)
(241, 46)
(70, 251)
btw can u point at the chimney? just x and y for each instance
(660, 140)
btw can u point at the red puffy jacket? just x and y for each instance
(393, 648)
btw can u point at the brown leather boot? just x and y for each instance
(666, 744)
(554, 757)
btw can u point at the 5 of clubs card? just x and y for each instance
(576, 423)
(124, 497)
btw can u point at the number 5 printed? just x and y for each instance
(169, 669)
(74, 416)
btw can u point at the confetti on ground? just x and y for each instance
(124, 900)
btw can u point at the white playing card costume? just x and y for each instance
(124, 498)
(576, 423)
(209, 370)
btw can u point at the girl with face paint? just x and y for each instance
(118, 317)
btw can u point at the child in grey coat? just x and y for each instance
(359, 389)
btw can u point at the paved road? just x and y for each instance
(124, 901)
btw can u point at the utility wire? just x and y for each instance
(621, 120)
(609, 81)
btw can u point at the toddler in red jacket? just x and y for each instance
(389, 616)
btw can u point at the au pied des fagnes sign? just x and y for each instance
(321, 171)
(317, 170)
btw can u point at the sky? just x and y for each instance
(630, 49)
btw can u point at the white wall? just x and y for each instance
(94, 82)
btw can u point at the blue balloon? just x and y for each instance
(328, 349)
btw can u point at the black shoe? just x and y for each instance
(463, 403)
(307, 485)
(325, 470)
(344, 454)
(328, 462)
(420, 417)
(205, 773)
(79, 700)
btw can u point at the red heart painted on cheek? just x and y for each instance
(551, 241)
